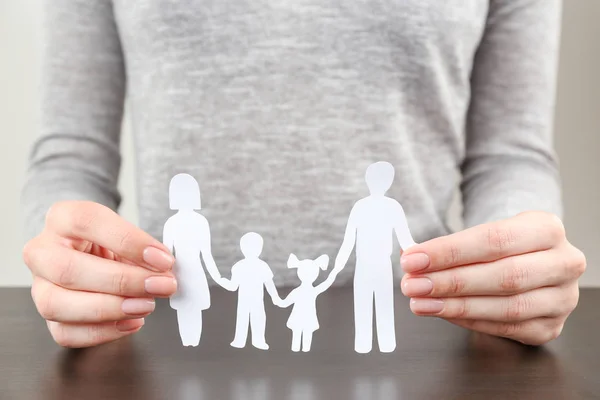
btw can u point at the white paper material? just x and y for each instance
(187, 235)
(303, 319)
(371, 226)
(250, 277)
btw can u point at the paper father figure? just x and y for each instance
(371, 226)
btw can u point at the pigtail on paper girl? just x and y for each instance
(293, 261)
(323, 261)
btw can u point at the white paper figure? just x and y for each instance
(371, 225)
(303, 320)
(187, 235)
(250, 277)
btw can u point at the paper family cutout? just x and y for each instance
(372, 223)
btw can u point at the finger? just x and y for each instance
(55, 303)
(533, 332)
(506, 276)
(543, 302)
(100, 225)
(75, 270)
(86, 335)
(525, 233)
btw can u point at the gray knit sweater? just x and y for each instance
(277, 107)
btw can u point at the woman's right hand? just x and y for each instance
(95, 275)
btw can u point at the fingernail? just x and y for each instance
(417, 286)
(138, 306)
(426, 306)
(129, 325)
(414, 262)
(158, 259)
(160, 285)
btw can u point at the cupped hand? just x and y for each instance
(95, 275)
(516, 278)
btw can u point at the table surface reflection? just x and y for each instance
(434, 359)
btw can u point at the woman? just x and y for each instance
(276, 108)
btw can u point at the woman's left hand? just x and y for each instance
(516, 278)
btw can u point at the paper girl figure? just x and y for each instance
(250, 277)
(187, 235)
(303, 320)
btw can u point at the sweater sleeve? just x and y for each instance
(510, 165)
(76, 156)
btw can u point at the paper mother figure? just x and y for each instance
(187, 235)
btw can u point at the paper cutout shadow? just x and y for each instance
(187, 235)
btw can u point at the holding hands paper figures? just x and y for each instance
(249, 277)
(372, 223)
(187, 235)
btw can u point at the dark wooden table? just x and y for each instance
(434, 359)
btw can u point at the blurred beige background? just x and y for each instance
(577, 130)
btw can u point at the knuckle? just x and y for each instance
(545, 334)
(100, 312)
(55, 213)
(514, 278)
(121, 283)
(31, 252)
(126, 240)
(96, 334)
(44, 300)
(66, 271)
(549, 335)
(462, 310)
(61, 335)
(82, 218)
(453, 255)
(563, 268)
(509, 329)
(78, 216)
(456, 285)
(555, 332)
(516, 307)
(556, 228)
(571, 301)
(28, 251)
(578, 262)
(500, 239)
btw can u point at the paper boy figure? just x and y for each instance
(303, 320)
(249, 277)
